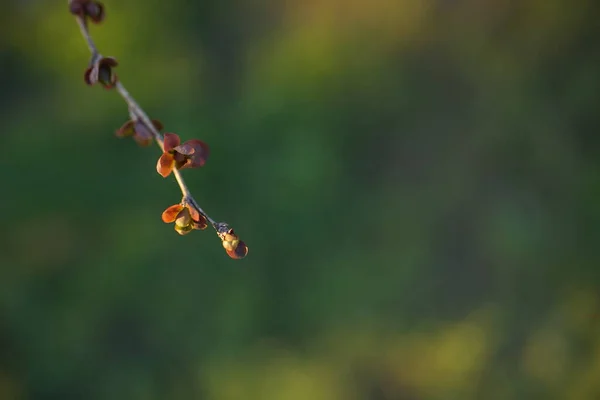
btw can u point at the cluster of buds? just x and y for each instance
(232, 244)
(191, 154)
(136, 128)
(101, 70)
(187, 215)
(94, 10)
(186, 218)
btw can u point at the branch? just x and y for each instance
(188, 214)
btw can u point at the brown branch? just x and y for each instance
(136, 112)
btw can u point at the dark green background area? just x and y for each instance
(418, 183)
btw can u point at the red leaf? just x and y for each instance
(108, 61)
(194, 213)
(77, 8)
(125, 130)
(95, 10)
(181, 162)
(186, 149)
(143, 136)
(165, 164)
(200, 225)
(171, 140)
(143, 141)
(170, 214)
(200, 154)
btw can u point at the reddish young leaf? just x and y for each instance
(165, 164)
(201, 224)
(170, 214)
(95, 10)
(186, 149)
(180, 160)
(140, 132)
(77, 7)
(201, 151)
(171, 140)
(108, 61)
(125, 130)
(142, 136)
(194, 213)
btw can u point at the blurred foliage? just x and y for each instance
(418, 183)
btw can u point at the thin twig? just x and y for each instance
(86, 35)
(137, 112)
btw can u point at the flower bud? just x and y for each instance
(94, 10)
(102, 71)
(234, 247)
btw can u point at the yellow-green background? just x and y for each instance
(418, 183)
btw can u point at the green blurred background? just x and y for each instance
(418, 183)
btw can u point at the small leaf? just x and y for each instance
(181, 160)
(171, 140)
(143, 136)
(76, 8)
(165, 164)
(201, 152)
(109, 61)
(142, 141)
(125, 130)
(95, 10)
(170, 214)
(194, 213)
(186, 149)
(201, 224)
